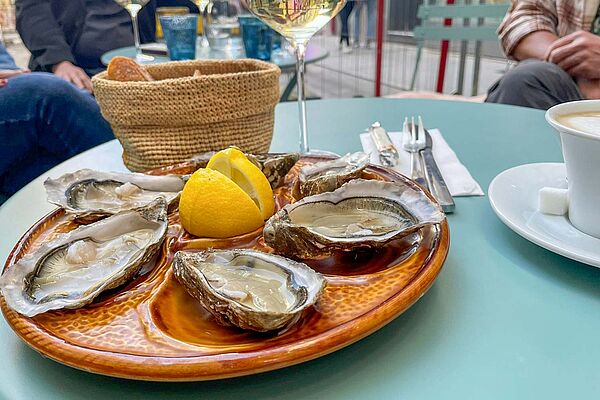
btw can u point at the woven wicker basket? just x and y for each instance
(178, 115)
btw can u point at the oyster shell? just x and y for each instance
(326, 176)
(362, 213)
(75, 267)
(249, 289)
(275, 166)
(89, 194)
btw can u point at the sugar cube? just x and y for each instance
(553, 201)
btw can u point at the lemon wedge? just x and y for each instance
(212, 205)
(233, 164)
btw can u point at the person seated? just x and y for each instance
(68, 38)
(557, 44)
(44, 120)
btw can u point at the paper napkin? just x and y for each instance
(457, 176)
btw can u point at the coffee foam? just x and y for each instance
(588, 122)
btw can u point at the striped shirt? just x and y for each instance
(560, 17)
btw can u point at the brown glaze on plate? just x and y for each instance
(151, 329)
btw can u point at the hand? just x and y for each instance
(9, 73)
(577, 53)
(590, 89)
(73, 74)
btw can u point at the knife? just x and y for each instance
(435, 181)
(388, 154)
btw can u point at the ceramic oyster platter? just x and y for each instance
(111, 282)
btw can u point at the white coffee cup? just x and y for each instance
(581, 151)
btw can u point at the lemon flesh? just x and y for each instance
(212, 205)
(233, 164)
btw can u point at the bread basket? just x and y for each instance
(192, 107)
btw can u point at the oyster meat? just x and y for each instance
(89, 194)
(75, 267)
(247, 288)
(362, 213)
(326, 176)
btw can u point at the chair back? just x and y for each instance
(470, 22)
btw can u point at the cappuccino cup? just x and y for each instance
(578, 124)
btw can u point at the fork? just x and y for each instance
(413, 141)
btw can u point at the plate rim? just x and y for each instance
(526, 233)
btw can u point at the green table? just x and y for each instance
(284, 60)
(506, 319)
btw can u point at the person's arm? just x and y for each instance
(535, 45)
(44, 38)
(528, 23)
(578, 54)
(41, 33)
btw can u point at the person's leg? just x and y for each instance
(371, 20)
(41, 112)
(535, 84)
(344, 15)
(358, 6)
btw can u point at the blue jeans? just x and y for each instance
(44, 120)
(371, 18)
(344, 15)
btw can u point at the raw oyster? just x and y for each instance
(362, 213)
(326, 176)
(275, 166)
(247, 288)
(88, 193)
(71, 270)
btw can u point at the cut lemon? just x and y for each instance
(212, 205)
(233, 164)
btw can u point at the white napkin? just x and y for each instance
(457, 176)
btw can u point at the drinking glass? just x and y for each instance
(161, 11)
(222, 26)
(180, 35)
(134, 7)
(297, 21)
(201, 7)
(257, 37)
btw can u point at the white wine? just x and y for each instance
(297, 20)
(133, 6)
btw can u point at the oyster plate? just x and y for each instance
(152, 329)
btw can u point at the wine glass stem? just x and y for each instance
(136, 35)
(300, 70)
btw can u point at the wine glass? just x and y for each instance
(297, 21)
(134, 7)
(201, 7)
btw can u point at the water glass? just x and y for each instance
(222, 27)
(167, 11)
(180, 35)
(257, 37)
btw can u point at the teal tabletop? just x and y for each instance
(284, 60)
(505, 319)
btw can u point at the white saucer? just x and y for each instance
(514, 197)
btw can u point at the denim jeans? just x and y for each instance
(371, 18)
(44, 120)
(344, 15)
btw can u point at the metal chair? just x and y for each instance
(432, 28)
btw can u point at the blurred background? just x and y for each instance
(468, 67)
